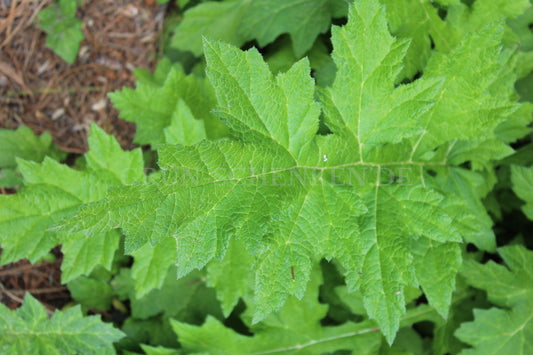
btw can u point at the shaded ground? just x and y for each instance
(42, 280)
(40, 90)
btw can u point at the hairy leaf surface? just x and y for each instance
(369, 193)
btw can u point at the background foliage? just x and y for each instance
(226, 264)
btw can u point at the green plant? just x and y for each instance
(29, 330)
(352, 214)
(510, 286)
(63, 29)
(23, 144)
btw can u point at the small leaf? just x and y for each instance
(153, 105)
(63, 29)
(28, 330)
(184, 128)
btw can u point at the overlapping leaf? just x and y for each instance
(167, 99)
(232, 280)
(187, 299)
(151, 265)
(28, 330)
(218, 19)
(522, 178)
(294, 329)
(238, 21)
(184, 128)
(439, 26)
(500, 330)
(22, 143)
(303, 20)
(53, 192)
(431, 25)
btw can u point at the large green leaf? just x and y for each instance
(218, 19)
(265, 20)
(368, 193)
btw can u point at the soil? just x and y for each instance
(40, 90)
(42, 280)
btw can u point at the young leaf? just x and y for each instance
(464, 300)
(214, 19)
(187, 299)
(151, 265)
(231, 277)
(184, 128)
(63, 29)
(81, 255)
(91, 292)
(153, 106)
(28, 330)
(436, 265)
(22, 143)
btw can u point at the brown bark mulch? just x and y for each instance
(42, 280)
(40, 90)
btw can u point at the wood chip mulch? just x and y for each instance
(42, 280)
(40, 90)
